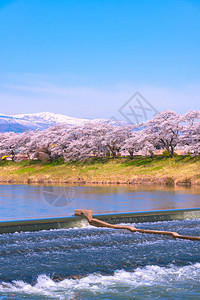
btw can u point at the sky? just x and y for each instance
(86, 59)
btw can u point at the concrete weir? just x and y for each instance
(99, 223)
(115, 218)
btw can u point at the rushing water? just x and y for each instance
(29, 201)
(110, 264)
(98, 263)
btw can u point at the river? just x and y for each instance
(19, 202)
(98, 263)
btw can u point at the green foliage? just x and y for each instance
(5, 163)
(157, 168)
(59, 161)
(25, 170)
(141, 161)
(120, 169)
(107, 153)
(165, 153)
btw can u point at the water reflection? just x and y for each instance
(27, 202)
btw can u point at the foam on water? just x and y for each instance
(83, 224)
(165, 280)
(127, 265)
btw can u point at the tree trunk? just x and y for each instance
(151, 154)
(114, 154)
(170, 151)
(131, 154)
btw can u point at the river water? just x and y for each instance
(34, 201)
(107, 263)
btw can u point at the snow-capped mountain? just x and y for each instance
(50, 119)
(23, 122)
(41, 121)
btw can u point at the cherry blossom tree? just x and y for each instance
(164, 130)
(115, 137)
(131, 144)
(190, 137)
(9, 144)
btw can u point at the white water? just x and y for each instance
(121, 283)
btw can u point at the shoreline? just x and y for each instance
(162, 171)
(165, 181)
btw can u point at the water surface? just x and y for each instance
(110, 264)
(107, 263)
(34, 201)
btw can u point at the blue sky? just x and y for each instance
(86, 58)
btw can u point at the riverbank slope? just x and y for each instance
(180, 170)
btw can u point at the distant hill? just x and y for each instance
(41, 121)
(23, 122)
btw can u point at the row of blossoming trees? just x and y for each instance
(167, 130)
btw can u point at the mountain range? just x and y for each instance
(40, 121)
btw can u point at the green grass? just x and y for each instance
(160, 169)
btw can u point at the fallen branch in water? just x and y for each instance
(98, 223)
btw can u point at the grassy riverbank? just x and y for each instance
(180, 170)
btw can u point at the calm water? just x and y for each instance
(110, 264)
(29, 201)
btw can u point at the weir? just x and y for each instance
(99, 223)
(114, 218)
